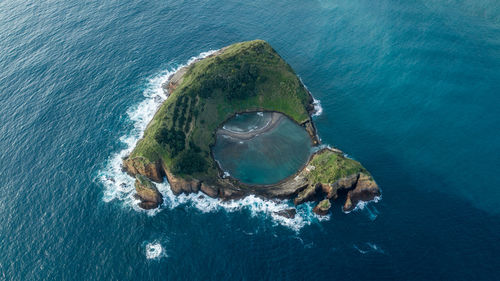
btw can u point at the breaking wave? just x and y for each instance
(361, 205)
(318, 109)
(154, 251)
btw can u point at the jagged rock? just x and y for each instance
(308, 194)
(311, 130)
(287, 213)
(147, 192)
(179, 185)
(210, 190)
(366, 190)
(323, 207)
(342, 184)
(176, 79)
(139, 165)
(331, 193)
(228, 194)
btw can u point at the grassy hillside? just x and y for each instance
(245, 76)
(331, 166)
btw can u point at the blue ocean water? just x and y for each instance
(410, 89)
(266, 158)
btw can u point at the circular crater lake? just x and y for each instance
(261, 147)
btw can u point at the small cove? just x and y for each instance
(261, 147)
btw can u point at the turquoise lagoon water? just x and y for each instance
(266, 158)
(409, 88)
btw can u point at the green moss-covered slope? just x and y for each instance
(330, 166)
(243, 77)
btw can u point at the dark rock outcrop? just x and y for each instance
(308, 194)
(179, 185)
(140, 166)
(210, 190)
(323, 207)
(287, 213)
(366, 190)
(311, 130)
(147, 192)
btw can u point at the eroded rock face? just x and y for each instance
(138, 166)
(311, 130)
(287, 213)
(323, 207)
(308, 194)
(179, 185)
(148, 193)
(210, 190)
(360, 187)
(175, 80)
(366, 190)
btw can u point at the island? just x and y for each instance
(241, 78)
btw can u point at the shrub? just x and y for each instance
(189, 162)
(172, 139)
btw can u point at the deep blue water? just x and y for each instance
(409, 88)
(266, 158)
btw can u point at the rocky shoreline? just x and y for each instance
(300, 187)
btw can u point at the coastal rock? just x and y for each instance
(147, 192)
(287, 213)
(311, 130)
(139, 165)
(179, 185)
(175, 80)
(342, 184)
(230, 194)
(366, 190)
(308, 194)
(323, 207)
(210, 190)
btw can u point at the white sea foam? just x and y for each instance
(318, 109)
(316, 103)
(120, 186)
(255, 205)
(155, 251)
(362, 204)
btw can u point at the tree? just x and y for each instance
(189, 162)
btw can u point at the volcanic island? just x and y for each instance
(246, 77)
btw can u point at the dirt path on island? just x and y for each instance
(275, 120)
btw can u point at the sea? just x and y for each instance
(411, 89)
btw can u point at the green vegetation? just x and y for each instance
(144, 181)
(330, 166)
(325, 204)
(248, 76)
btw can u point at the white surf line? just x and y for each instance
(119, 185)
(318, 109)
